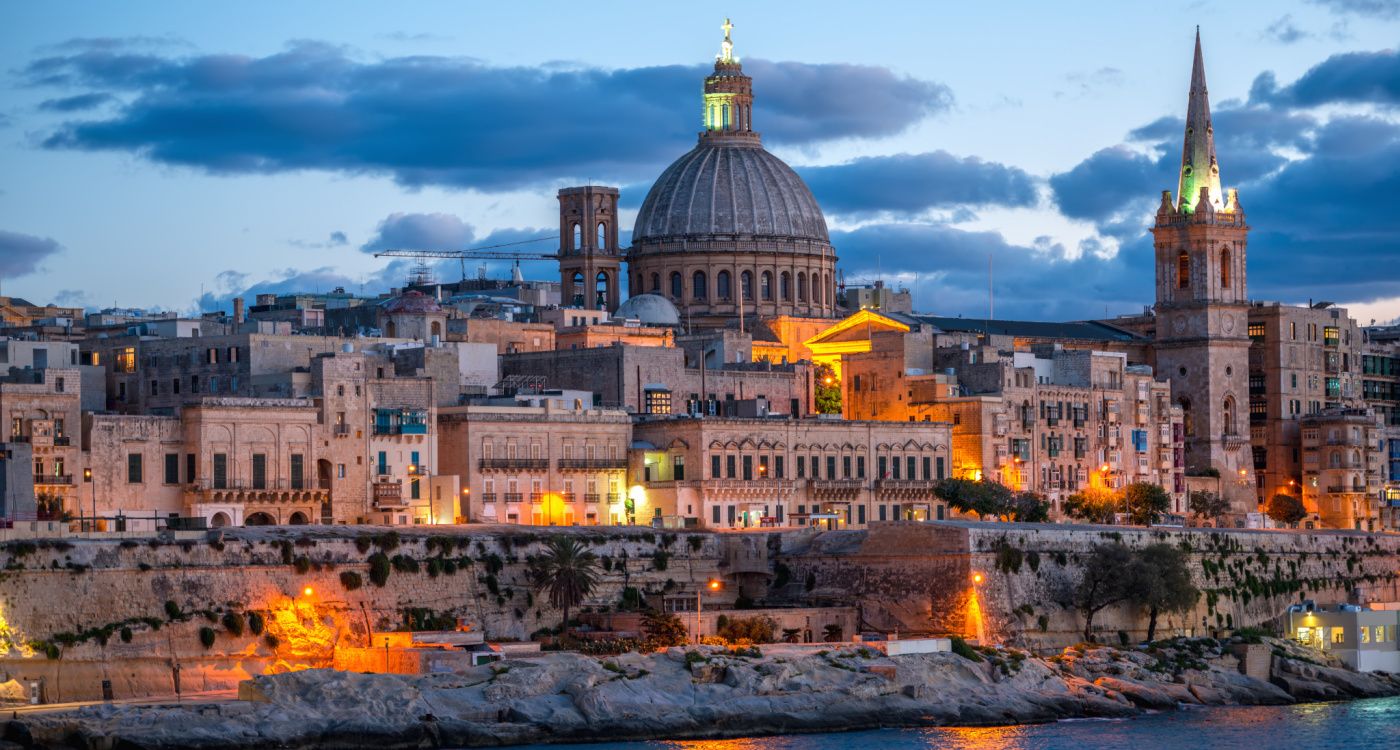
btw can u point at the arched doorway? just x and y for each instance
(298, 519)
(220, 520)
(259, 519)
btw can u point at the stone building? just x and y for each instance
(508, 336)
(1380, 389)
(1302, 361)
(1343, 468)
(589, 258)
(1050, 420)
(729, 230)
(558, 463)
(664, 380)
(141, 470)
(733, 473)
(43, 409)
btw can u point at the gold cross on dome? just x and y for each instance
(726, 48)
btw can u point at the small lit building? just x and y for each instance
(1363, 638)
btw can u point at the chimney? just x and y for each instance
(238, 311)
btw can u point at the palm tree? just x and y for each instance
(568, 571)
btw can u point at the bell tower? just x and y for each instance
(1202, 311)
(589, 262)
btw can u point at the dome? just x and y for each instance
(412, 302)
(651, 309)
(727, 190)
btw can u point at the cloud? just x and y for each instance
(335, 239)
(912, 183)
(1383, 9)
(71, 297)
(449, 121)
(1353, 77)
(437, 231)
(946, 268)
(1086, 83)
(338, 238)
(1284, 31)
(77, 103)
(230, 284)
(21, 254)
(1112, 185)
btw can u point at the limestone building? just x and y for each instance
(1343, 468)
(733, 473)
(42, 408)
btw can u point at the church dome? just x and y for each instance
(728, 189)
(650, 309)
(412, 302)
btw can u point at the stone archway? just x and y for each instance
(220, 520)
(298, 519)
(259, 519)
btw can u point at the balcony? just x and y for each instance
(514, 464)
(488, 497)
(837, 488)
(270, 489)
(536, 497)
(19, 439)
(53, 480)
(62, 441)
(591, 497)
(513, 497)
(389, 495)
(342, 430)
(593, 464)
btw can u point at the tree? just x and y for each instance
(663, 629)
(1093, 504)
(1146, 503)
(1208, 505)
(1159, 582)
(1286, 509)
(973, 496)
(757, 629)
(791, 635)
(1103, 582)
(568, 571)
(832, 633)
(1028, 507)
(827, 390)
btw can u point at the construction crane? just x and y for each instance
(485, 252)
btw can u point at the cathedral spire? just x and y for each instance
(1198, 166)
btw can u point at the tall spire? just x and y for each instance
(1198, 166)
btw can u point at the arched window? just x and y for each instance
(724, 111)
(801, 287)
(697, 286)
(600, 298)
(656, 283)
(1228, 414)
(1225, 268)
(602, 235)
(722, 286)
(1335, 460)
(746, 285)
(785, 286)
(816, 289)
(765, 285)
(676, 285)
(1183, 270)
(578, 238)
(577, 285)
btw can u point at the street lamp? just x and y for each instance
(87, 477)
(714, 584)
(414, 473)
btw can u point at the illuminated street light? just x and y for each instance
(977, 578)
(308, 591)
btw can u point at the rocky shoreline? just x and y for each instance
(706, 692)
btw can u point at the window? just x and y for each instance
(133, 468)
(748, 468)
(698, 288)
(259, 471)
(714, 467)
(678, 468)
(1225, 268)
(1330, 336)
(801, 287)
(1228, 415)
(126, 359)
(801, 467)
(939, 466)
(765, 285)
(722, 285)
(172, 468)
(846, 467)
(860, 514)
(1293, 331)
(656, 282)
(1339, 635)
(778, 472)
(1183, 271)
(746, 285)
(830, 467)
(658, 401)
(298, 464)
(860, 467)
(220, 471)
(785, 286)
(189, 467)
(714, 515)
(729, 467)
(1256, 332)
(676, 284)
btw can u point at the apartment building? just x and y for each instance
(1343, 468)
(42, 408)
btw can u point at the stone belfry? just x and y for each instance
(589, 260)
(1202, 311)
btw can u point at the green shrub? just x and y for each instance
(434, 567)
(961, 648)
(362, 543)
(126, 634)
(271, 641)
(351, 580)
(206, 636)
(660, 559)
(302, 565)
(1123, 638)
(172, 610)
(379, 569)
(233, 623)
(695, 542)
(255, 623)
(404, 564)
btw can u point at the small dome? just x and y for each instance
(651, 309)
(412, 302)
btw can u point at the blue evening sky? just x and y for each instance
(173, 154)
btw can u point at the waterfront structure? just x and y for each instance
(735, 473)
(1050, 420)
(554, 462)
(729, 230)
(1363, 638)
(1343, 468)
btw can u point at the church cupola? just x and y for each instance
(728, 99)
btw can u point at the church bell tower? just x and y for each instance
(1202, 311)
(589, 262)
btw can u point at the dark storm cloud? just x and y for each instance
(946, 268)
(912, 183)
(21, 254)
(449, 121)
(1352, 77)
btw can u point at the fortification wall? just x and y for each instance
(1012, 582)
